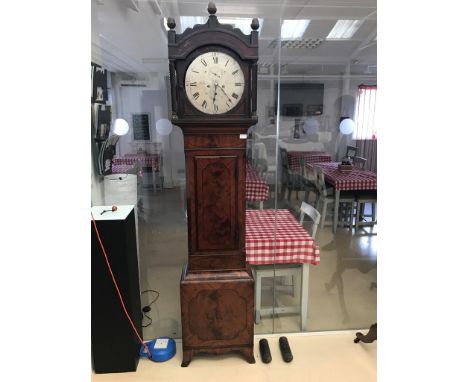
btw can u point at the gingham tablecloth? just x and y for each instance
(123, 164)
(356, 179)
(121, 168)
(294, 158)
(256, 189)
(274, 236)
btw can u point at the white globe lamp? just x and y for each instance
(163, 126)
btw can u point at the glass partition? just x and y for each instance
(309, 80)
(326, 59)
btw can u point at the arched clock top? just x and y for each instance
(226, 94)
(180, 45)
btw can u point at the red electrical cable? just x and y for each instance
(117, 287)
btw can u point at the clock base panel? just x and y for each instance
(217, 313)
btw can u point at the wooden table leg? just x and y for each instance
(335, 212)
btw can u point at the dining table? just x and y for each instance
(355, 180)
(121, 165)
(276, 237)
(294, 158)
(256, 188)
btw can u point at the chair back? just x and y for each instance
(359, 162)
(284, 159)
(310, 174)
(321, 185)
(259, 151)
(307, 209)
(351, 151)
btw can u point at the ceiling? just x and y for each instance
(128, 36)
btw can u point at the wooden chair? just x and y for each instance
(287, 270)
(290, 180)
(326, 198)
(260, 161)
(362, 198)
(309, 182)
(351, 152)
(359, 162)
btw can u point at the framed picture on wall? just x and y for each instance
(141, 127)
(102, 122)
(99, 83)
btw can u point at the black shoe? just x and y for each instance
(265, 351)
(285, 349)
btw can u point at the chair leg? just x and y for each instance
(324, 212)
(358, 215)
(317, 201)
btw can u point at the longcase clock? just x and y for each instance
(213, 75)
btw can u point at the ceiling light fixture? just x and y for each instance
(344, 29)
(293, 29)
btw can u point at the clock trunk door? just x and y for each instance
(217, 202)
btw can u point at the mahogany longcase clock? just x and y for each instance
(213, 75)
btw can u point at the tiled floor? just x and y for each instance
(317, 357)
(342, 289)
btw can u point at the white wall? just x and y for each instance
(151, 99)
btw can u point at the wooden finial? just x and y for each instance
(255, 24)
(171, 24)
(211, 8)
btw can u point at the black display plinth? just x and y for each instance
(115, 347)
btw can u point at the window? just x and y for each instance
(366, 122)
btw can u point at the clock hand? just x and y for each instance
(229, 99)
(214, 96)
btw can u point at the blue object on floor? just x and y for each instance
(161, 349)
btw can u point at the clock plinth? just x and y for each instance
(213, 94)
(217, 313)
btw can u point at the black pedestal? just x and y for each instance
(115, 347)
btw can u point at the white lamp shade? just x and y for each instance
(120, 127)
(311, 126)
(346, 126)
(163, 126)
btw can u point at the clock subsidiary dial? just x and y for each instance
(214, 83)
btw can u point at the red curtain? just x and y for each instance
(368, 149)
(365, 132)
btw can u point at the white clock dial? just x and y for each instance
(214, 83)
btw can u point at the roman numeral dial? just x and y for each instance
(214, 83)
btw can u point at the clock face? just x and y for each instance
(214, 83)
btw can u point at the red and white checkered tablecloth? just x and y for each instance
(274, 236)
(256, 189)
(356, 179)
(121, 168)
(123, 164)
(294, 158)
